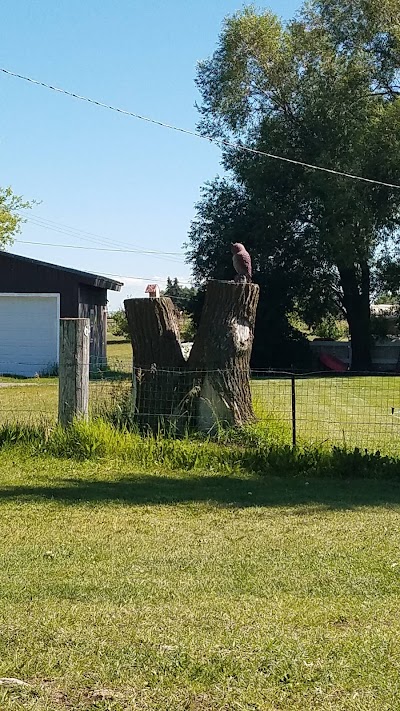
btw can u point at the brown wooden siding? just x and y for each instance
(23, 277)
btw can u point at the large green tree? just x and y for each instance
(323, 90)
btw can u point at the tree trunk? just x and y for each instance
(157, 357)
(154, 332)
(356, 296)
(221, 353)
(213, 386)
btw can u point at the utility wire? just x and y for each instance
(95, 249)
(91, 236)
(228, 144)
(152, 280)
(141, 252)
(76, 233)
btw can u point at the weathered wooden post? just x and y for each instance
(73, 389)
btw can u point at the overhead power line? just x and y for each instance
(228, 144)
(105, 247)
(95, 249)
(87, 236)
(153, 279)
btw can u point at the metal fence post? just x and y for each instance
(73, 388)
(294, 435)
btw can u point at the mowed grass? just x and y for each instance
(347, 411)
(37, 402)
(36, 399)
(128, 590)
(119, 349)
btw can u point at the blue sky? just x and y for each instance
(100, 172)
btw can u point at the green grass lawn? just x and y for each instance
(353, 411)
(118, 349)
(32, 402)
(126, 590)
(350, 411)
(35, 399)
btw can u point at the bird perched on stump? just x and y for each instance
(242, 262)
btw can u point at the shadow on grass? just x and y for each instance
(226, 491)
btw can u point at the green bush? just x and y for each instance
(120, 324)
(328, 328)
(380, 327)
(187, 328)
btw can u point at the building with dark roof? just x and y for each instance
(34, 295)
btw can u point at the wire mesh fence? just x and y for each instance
(343, 410)
(347, 410)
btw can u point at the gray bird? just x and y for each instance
(242, 262)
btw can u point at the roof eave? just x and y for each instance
(96, 280)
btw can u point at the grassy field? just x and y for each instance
(362, 412)
(353, 411)
(132, 589)
(123, 590)
(118, 349)
(34, 399)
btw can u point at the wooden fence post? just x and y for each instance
(73, 389)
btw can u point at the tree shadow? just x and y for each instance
(224, 491)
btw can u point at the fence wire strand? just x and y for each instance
(343, 410)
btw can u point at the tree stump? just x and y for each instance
(157, 357)
(222, 351)
(211, 388)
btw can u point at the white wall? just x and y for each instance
(29, 328)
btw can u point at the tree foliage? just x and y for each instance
(120, 324)
(10, 219)
(322, 90)
(181, 295)
(185, 301)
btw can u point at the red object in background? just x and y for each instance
(333, 363)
